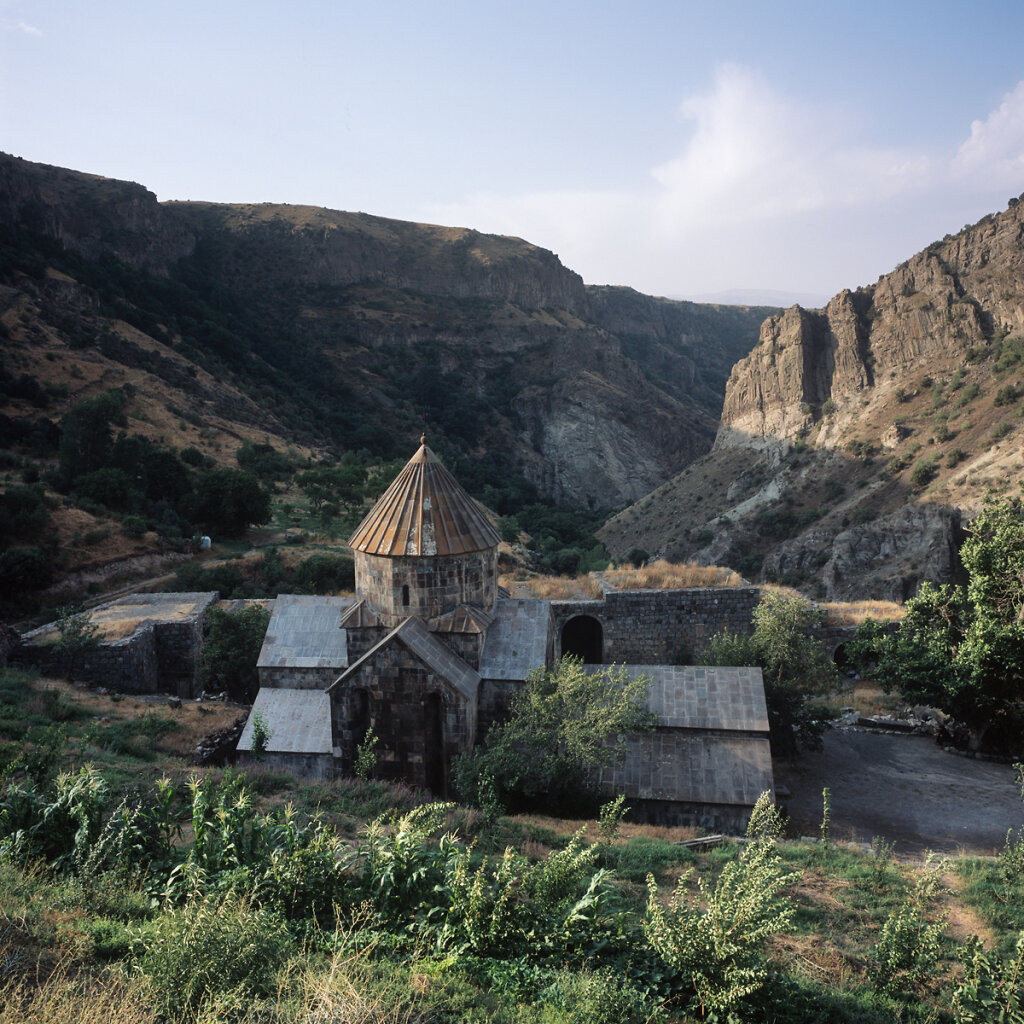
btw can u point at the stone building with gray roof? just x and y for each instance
(430, 651)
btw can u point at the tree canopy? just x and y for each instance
(961, 648)
(564, 724)
(793, 662)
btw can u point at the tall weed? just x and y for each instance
(714, 940)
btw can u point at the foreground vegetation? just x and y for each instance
(225, 897)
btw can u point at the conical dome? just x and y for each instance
(424, 512)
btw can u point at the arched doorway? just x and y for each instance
(582, 635)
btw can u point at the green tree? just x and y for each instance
(961, 649)
(86, 440)
(564, 725)
(77, 635)
(794, 665)
(231, 650)
(226, 501)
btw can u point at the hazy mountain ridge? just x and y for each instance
(855, 439)
(344, 330)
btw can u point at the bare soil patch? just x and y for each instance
(906, 789)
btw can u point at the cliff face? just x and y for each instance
(855, 439)
(91, 215)
(346, 330)
(931, 311)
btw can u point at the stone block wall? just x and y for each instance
(656, 627)
(427, 587)
(493, 705)
(420, 721)
(128, 665)
(158, 657)
(291, 678)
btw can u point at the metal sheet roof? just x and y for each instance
(424, 512)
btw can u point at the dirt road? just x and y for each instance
(906, 789)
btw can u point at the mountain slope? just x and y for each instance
(342, 331)
(855, 439)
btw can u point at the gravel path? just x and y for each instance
(906, 789)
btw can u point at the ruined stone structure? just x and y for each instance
(151, 644)
(430, 651)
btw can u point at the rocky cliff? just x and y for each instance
(854, 440)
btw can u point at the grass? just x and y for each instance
(853, 613)
(663, 575)
(65, 941)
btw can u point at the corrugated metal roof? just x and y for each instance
(424, 512)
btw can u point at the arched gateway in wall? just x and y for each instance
(583, 636)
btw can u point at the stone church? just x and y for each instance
(431, 648)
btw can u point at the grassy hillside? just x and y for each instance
(251, 896)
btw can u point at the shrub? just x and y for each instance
(1006, 396)
(992, 988)
(970, 393)
(1001, 430)
(955, 457)
(714, 941)
(922, 474)
(908, 945)
(213, 951)
(133, 526)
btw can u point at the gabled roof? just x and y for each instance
(465, 619)
(304, 633)
(299, 721)
(424, 512)
(415, 637)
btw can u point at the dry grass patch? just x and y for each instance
(663, 575)
(853, 613)
(555, 588)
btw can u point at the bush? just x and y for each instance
(922, 474)
(24, 569)
(563, 724)
(211, 952)
(133, 526)
(1006, 396)
(231, 650)
(714, 942)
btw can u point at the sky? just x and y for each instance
(685, 149)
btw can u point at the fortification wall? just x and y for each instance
(655, 627)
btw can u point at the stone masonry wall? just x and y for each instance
(398, 691)
(158, 657)
(291, 678)
(655, 627)
(435, 585)
(128, 665)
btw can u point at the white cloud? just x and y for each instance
(995, 146)
(766, 191)
(756, 155)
